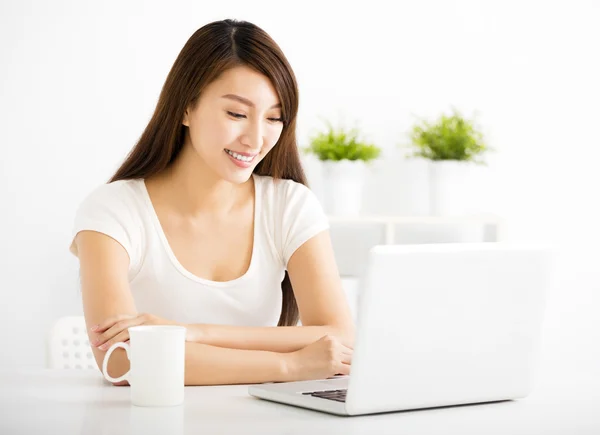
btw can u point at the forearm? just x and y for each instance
(211, 365)
(274, 339)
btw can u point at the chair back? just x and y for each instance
(69, 346)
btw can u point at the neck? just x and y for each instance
(193, 188)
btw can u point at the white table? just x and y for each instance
(79, 402)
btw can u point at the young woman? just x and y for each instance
(209, 224)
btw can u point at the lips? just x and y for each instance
(242, 154)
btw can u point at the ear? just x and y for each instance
(186, 121)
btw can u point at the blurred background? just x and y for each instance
(79, 81)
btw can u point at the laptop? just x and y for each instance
(437, 325)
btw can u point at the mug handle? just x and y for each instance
(125, 377)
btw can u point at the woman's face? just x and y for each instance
(235, 123)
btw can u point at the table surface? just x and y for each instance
(80, 402)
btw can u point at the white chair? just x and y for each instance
(68, 345)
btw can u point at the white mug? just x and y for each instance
(157, 364)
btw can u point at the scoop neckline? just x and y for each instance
(177, 263)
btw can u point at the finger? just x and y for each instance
(108, 323)
(116, 329)
(105, 324)
(343, 369)
(348, 352)
(348, 345)
(347, 348)
(122, 336)
(346, 359)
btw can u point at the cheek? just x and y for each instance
(215, 133)
(225, 132)
(271, 138)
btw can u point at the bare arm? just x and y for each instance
(321, 301)
(210, 365)
(103, 264)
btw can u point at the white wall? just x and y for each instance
(79, 81)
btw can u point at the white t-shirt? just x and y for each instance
(287, 214)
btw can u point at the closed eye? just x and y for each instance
(241, 116)
(236, 115)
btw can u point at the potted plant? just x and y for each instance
(344, 157)
(452, 144)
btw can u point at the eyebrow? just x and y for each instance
(246, 101)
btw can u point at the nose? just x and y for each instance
(253, 136)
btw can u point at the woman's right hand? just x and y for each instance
(322, 359)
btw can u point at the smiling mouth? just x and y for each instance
(240, 157)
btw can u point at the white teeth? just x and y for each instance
(239, 156)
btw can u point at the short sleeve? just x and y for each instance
(110, 211)
(303, 217)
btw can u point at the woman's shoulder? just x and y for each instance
(115, 192)
(121, 194)
(286, 199)
(114, 209)
(292, 213)
(121, 200)
(279, 190)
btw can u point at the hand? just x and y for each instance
(319, 360)
(115, 329)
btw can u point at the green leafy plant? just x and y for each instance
(449, 138)
(341, 144)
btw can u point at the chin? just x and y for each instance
(235, 173)
(238, 178)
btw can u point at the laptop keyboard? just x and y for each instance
(337, 395)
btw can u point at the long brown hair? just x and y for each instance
(210, 51)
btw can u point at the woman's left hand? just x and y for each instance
(115, 329)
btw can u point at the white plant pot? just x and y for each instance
(449, 187)
(343, 185)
